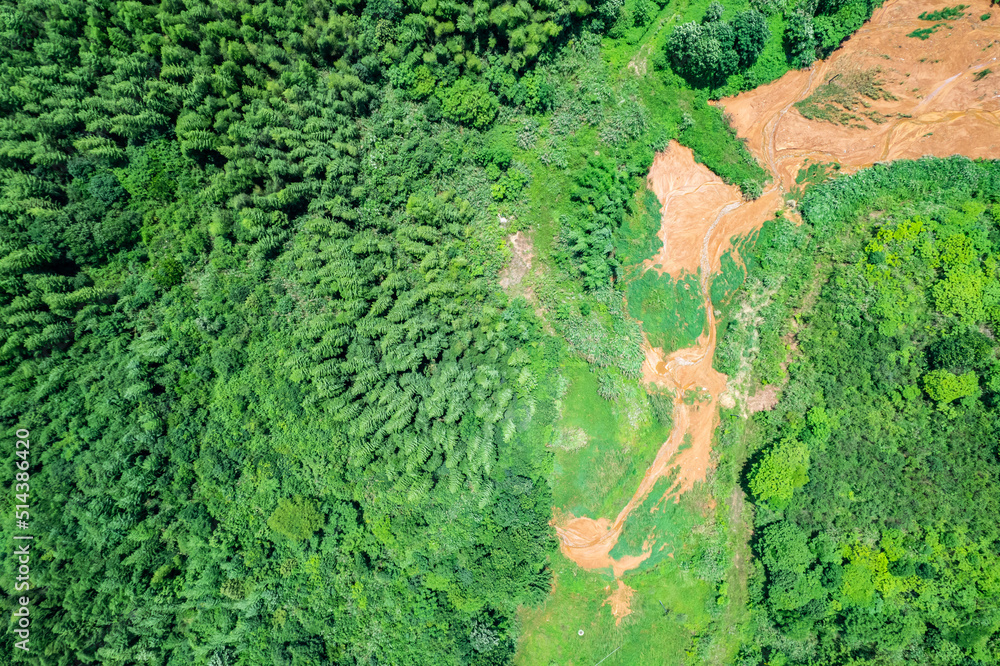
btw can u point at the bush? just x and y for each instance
(944, 387)
(469, 103)
(296, 519)
(751, 189)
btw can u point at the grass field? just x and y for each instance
(672, 313)
(637, 240)
(623, 437)
(660, 523)
(647, 636)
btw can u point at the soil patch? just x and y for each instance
(620, 600)
(764, 400)
(522, 252)
(928, 93)
(845, 99)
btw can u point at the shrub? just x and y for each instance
(469, 103)
(944, 387)
(296, 519)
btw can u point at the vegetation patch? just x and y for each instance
(661, 524)
(896, 389)
(701, 130)
(924, 33)
(636, 240)
(610, 431)
(841, 100)
(551, 633)
(235, 230)
(727, 280)
(812, 173)
(982, 74)
(672, 312)
(946, 14)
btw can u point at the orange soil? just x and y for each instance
(620, 600)
(940, 95)
(701, 213)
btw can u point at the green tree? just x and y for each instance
(781, 470)
(695, 52)
(944, 387)
(751, 35)
(469, 103)
(966, 350)
(789, 561)
(296, 518)
(800, 41)
(960, 294)
(706, 53)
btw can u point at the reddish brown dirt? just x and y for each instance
(700, 192)
(948, 113)
(940, 109)
(620, 600)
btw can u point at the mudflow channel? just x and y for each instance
(937, 106)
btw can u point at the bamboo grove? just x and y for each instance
(283, 413)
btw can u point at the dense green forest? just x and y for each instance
(875, 475)
(280, 411)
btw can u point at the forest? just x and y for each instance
(281, 410)
(875, 475)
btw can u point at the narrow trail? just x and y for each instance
(937, 108)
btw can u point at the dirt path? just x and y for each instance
(935, 106)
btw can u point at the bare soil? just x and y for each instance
(522, 252)
(764, 400)
(620, 600)
(935, 106)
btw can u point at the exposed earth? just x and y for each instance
(930, 97)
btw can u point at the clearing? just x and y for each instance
(929, 101)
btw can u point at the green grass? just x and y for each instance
(727, 280)
(647, 636)
(984, 17)
(584, 408)
(637, 240)
(946, 14)
(923, 33)
(815, 172)
(641, 525)
(599, 478)
(548, 195)
(982, 74)
(812, 173)
(672, 313)
(841, 100)
(660, 523)
(715, 144)
(686, 443)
